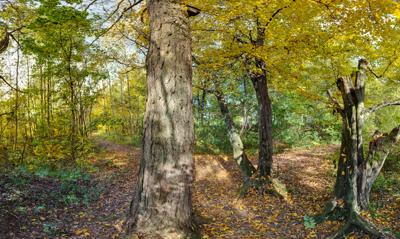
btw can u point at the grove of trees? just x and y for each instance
(248, 79)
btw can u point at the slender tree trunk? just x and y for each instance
(260, 84)
(48, 98)
(259, 81)
(42, 102)
(239, 155)
(130, 107)
(162, 205)
(29, 100)
(16, 107)
(73, 120)
(72, 92)
(110, 126)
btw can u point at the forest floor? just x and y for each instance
(307, 173)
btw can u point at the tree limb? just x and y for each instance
(125, 10)
(394, 58)
(6, 113)
(379, 149)
(335, 102)
(9, 85)
(277, 12)
(89, 5)
(369, 111)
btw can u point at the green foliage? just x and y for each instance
(386, 182)
(299, 122)
(309, 222)
(212, 138)
(65, 187)
(113, 136)
(118, 114)
(392, 164)
(389, 180)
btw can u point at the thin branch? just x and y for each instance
(17, 29)
(277, 12)
(335, 102)
(384, 71)
(117, 20)
(141, 47)
(113, 12)
(6, 113)
(371, 110)
(326, 5)
(89, 5)
(12, 6)
(206, 90)
(394, 58)
(9, 85)
(133, 66)
(15, 39)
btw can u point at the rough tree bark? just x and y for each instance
(162, 206)
(356, 173)
(259, 81)
(256, 69)
(239, 155)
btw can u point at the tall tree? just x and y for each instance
(256, 36)
(357, 172)
(162, 205)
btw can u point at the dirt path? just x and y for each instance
(309, 177)
(307, 174)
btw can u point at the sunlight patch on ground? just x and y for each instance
(207, 168)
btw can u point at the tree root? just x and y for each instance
(334, 211)
(357, 222)
(370, 228)
(265, 185)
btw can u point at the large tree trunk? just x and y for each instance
(353, 96)
(355, 173)
(239, 155)
(340, 184)
(259, 81)
(162, 206)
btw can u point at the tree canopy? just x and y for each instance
(251, 89)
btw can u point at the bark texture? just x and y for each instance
(259, 81)
(356, 173)
(246, 167)
(257, 70)
(162, 206)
